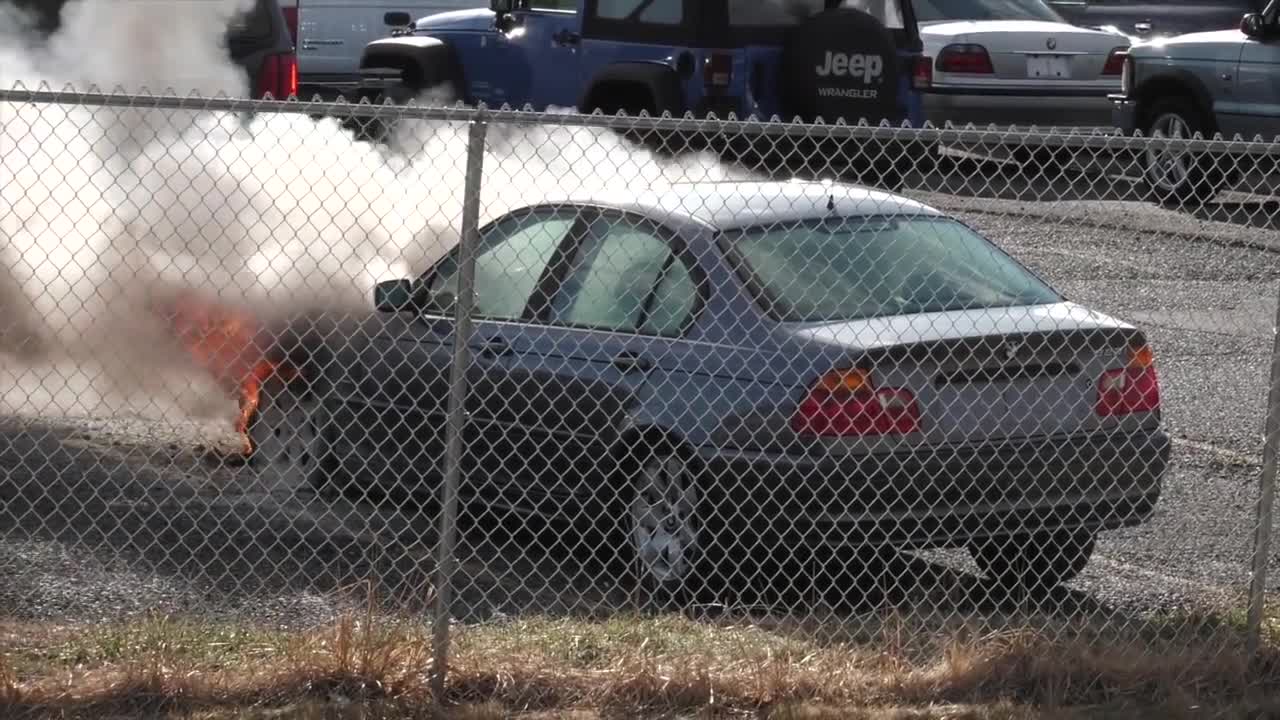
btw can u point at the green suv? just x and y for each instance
(1225, 82)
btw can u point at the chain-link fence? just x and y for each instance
(266, 359)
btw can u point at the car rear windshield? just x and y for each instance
(935, 10)
(847, 268)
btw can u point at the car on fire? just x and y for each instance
(708, 374)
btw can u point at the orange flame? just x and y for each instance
(223, 341)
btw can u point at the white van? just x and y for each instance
(333, 33)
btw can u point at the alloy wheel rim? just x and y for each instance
(664, 530)
(1169, 169)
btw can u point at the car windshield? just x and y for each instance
(943, 10)
(850, 268)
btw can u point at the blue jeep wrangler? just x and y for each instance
(850, 59)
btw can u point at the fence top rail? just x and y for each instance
(1068, 137)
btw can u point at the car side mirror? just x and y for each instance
(1253, 25)
(397, 19)
(400, 295)
(441, 303)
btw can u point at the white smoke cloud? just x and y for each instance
(101, 208)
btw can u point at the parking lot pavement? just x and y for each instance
(111, 516)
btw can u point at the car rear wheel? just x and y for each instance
(1036, 561)
(664, 536)
(1175, 175)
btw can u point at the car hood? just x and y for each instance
(882, 332)
(1190, 45)
(478, 19)
(1019, 36)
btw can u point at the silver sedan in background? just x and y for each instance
(1016, 62)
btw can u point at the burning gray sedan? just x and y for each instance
(703, 377)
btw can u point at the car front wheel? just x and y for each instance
(1035, 561)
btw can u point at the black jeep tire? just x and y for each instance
(841, 65)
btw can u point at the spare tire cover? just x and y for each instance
(841, 63)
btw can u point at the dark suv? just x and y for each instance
(802, 58)
(258, 40)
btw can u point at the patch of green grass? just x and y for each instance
(210, 646)
(874, 667)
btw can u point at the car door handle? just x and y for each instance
(1142, 28)
(629, 361)
(566, 37)
(495, 348)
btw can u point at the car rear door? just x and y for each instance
(611, 332)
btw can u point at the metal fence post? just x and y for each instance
(1266, 499)
(457, 400)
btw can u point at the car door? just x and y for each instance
(547, 38)
(612, 331)
(1256, 111)
(511, 267)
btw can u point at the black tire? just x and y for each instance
(1174, 178)
(734, 559)
(1036, 561)
(685, 535)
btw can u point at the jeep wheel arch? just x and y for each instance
(423, 63)
(841, 63)
(632, 87)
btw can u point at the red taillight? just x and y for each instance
(291, 21)
(922, 73)
(1134, 388)
(279, 76)
(717, 70)
(965, 58)
(845, 403)
(1115, 62)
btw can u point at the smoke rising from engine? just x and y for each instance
(106, 211)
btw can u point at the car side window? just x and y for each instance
(661, 12)
(673, 301)
(512, 258)
(624, 278)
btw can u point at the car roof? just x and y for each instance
(736, 204)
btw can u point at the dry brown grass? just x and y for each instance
(668, 666)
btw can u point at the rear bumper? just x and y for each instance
(944, 497)
(963, 107)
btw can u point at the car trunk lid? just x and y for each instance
(1001, 373)
(1031, 49)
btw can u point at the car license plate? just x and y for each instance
(1053, 67)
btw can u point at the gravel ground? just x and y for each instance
(109, 517)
